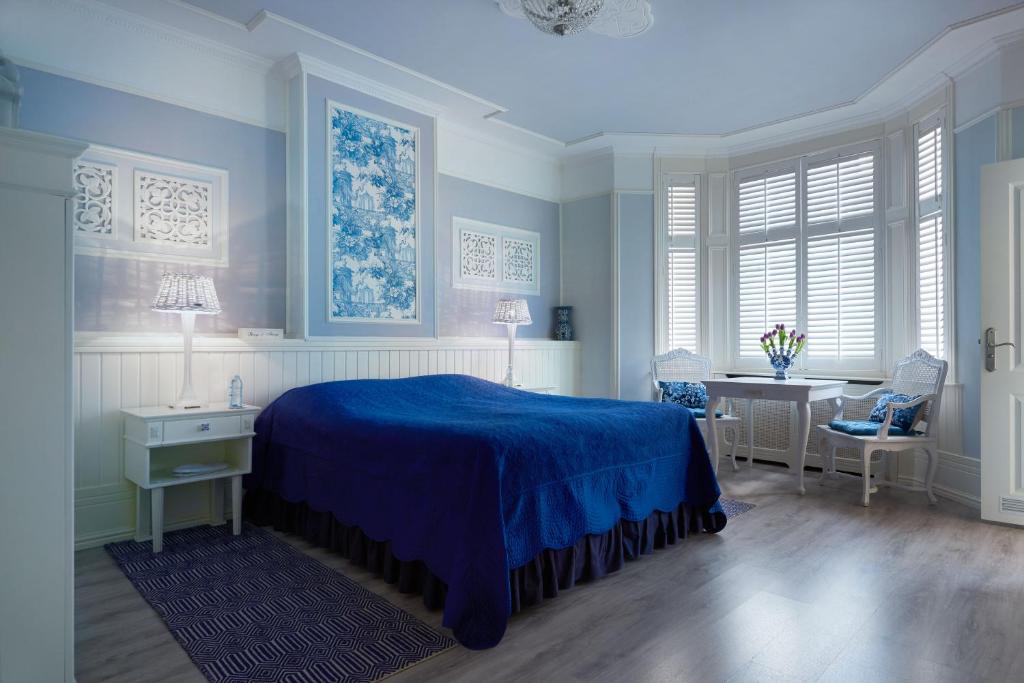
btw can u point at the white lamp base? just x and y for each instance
(187, 399)
(510, 379)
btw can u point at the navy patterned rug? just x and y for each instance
(735, 508)
(253, 608)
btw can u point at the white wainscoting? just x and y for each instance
(114, 372)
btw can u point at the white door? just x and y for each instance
(1002, 371)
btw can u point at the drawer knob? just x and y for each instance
(204, 426)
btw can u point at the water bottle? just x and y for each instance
(235, 393)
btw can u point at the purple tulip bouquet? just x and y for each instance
(782, 348)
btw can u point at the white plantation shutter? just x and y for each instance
(931, 286)
(929, 170)
(766, 220)
(841, 295)
(767, 289)
(841, 273)
(681, 210)
(930, 247)
(841, 190)
(767, 203)
(681, 226)
(807, 243)
(682, 298)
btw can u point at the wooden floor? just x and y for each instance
(812, 588)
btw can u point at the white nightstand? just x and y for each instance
(158, 439)
(539, 390)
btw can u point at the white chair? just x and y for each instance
(681, 365)
(919, 374)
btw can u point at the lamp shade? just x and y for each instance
(186, 293)
(512, 312)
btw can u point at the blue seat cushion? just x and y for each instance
(700, 412)
(687, 394)
(903, 418)
(865, 428)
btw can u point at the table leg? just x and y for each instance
(712, 423)
(236, 505)
(157, 518)
(750, 432)
(803, 434)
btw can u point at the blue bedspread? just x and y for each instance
(474, 478)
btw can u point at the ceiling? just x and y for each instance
(706, 67)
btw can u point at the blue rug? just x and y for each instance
(253, 608)
(735, 508)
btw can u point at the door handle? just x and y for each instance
(990, 348)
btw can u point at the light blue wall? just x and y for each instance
(1017, 129)
(466, 312)
(636, 295)
(586, 286)
(318, 92)
(114, 294)
(975, 147)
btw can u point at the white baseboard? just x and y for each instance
(958, 478)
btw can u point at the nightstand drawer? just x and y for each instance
(202, 428)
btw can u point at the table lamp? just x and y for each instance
(189, 295)
(511, 313)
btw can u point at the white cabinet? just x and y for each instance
(36, 525)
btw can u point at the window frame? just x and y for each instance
(662, 246)
(803, 233)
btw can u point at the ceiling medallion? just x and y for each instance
(615, 18)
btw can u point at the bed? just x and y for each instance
(482, 497)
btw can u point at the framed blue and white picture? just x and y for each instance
(372, 218)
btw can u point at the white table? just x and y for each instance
(159, 438)
(798, 391)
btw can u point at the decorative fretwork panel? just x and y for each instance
(94, 207)
(172, 210)
(144, 207)
(494, 257)
(518, 260)
(479, 256)
(771, 424)
(774, 420)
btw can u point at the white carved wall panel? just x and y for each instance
(162, 210)
(519, 261)
(479, 256)
(94, 209)
(172, 210)
(494, 257)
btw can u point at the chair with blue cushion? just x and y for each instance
(904, 418)
(681, 365)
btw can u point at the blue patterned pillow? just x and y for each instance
(903, 418)
(688, 394)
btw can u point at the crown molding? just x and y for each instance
(237, 70)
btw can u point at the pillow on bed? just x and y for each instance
(688, 394)
(904, 418)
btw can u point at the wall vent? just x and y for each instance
(1011, 504)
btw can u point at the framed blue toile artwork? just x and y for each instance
(372, 218)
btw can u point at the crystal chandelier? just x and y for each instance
(562, 17)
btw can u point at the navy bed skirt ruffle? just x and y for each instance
(591, 557)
